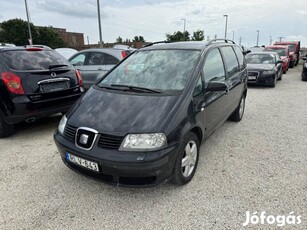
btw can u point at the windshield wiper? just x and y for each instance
(57, 66)
(136, 88)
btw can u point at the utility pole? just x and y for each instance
(99, 25)
(257, 37)
(29, 28)
(88, 40)
(271, 40)
(226, 15)
(184, 22)
(280, 38)
(240, 40)
(233, 35)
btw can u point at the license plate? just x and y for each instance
(54, 86)
(82, 162)
(252, 77)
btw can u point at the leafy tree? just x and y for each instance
(119, 40)
(16, 31)
(138, 39)
(47, 36)
(178, 36)
(198, 35)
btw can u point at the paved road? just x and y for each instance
(259, 164)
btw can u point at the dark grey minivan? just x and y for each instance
(143, 123)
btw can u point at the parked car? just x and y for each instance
(256, 49)
(304, 71)
(283, 53)
(66, 52)
(264, 68)
(143, 123)
(34, 82)
(94, 63)
(294, 51)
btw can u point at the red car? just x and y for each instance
(294, 49)
(283, 52)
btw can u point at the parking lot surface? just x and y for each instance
(259, 164)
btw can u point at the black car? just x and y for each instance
(304, 72)
(143, 123)
(264, 68)
(35, 82)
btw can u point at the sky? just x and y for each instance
(153, 19)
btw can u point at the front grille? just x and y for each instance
(253, 74)
(70, 132)
(107, 141)
(85, 138)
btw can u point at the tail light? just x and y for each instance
(80, 80)
(124, 54)
(12, 82)
(34, 49)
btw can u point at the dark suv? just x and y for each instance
(35, 82)
(143, 123)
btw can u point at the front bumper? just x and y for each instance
(304, 74)
(260, 78)
(135, 169)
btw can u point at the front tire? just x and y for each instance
(186, 161)
(237, 115)
(5, 129)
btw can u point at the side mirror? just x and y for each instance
(216, 86)
(246, 52)
(304, 58)
(279, 62)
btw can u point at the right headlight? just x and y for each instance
(62, 125)
(143, 142)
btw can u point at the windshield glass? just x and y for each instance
(161, 70)
(260, 59)
(280, 51)
(291, 48)
(32, 60)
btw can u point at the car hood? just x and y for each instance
(260, 66)
(118, 113)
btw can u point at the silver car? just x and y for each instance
(94, 63)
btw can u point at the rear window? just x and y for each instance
(32, 60)
(280, 51)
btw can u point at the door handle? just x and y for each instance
(100, 68)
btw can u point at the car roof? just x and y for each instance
(264, 52)
(285, 43)
(14, 48)
(277, 47)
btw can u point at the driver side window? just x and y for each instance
(214, 67)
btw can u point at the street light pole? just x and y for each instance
(99, 24)
(233, 35)
(29, 28)
(184, 22)
(257, 37)
(226, 15)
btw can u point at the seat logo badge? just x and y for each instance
(53, 74)
(83, 139)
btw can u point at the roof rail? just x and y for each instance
(153, 43)
(221, 40)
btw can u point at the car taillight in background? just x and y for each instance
(34, 49)
(12, 82)
(124, 54)
(80, 80)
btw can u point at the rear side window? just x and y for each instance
(231, 61)
(32, 60)
(96, 58)
(110, 60)
(239, 56)
(214, 67)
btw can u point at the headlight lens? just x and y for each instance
(62, 125)
(143, 142)
(268, 72)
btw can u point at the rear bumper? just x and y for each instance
(22, 108)
(122, 168)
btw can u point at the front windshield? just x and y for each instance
(260, 59)
(280, 51)
(291, 48)
(163, 70)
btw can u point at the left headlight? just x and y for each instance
(268, 72)
(143, 142)
(62, 125)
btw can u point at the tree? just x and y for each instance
(16, 31)
(138, 39)
(198, 35)
(119, 40)
(47, 36)
(178, 36)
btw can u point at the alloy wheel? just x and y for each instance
(189, 159)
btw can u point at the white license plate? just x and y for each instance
(82, 162)
(251, 77)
